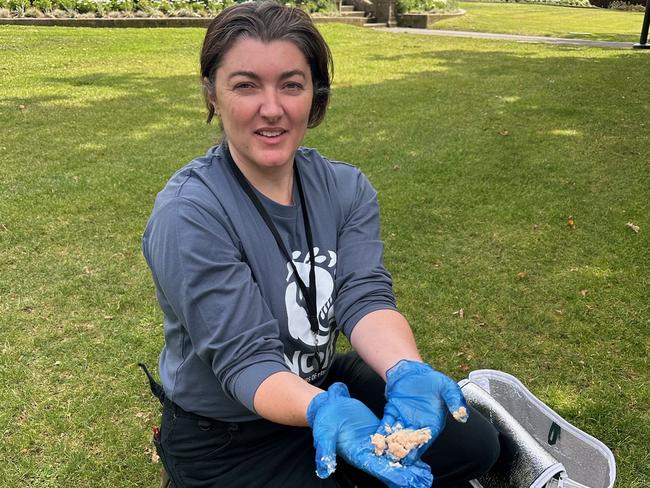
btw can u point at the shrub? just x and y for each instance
(196, 6)
(121, 5)
(184, 12)
(313, 6)
(34, 13)
(43, 5)
(216, 6)
(85, 6)
(564, 3)
(630, 7)
(164, 6)
(404, 6)
(5, 13)
(18, 6)
(67, 5)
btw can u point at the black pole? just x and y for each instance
(643, 42)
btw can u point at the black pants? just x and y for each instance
(202, 452)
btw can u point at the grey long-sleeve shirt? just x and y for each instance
(233, 312)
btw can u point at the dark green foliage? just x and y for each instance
(403, 6)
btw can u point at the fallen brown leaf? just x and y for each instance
(571, 222)
(584, 292)
(155, 459)
(634, 227)
(460, 313)
(522, 275)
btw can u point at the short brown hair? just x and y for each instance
(268, 21)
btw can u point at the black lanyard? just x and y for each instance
(309, 292)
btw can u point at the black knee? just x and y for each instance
(463, 451)
(483, 452)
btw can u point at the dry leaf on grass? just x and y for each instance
(634, 227)
(571, 222)
(584, 292)
(152, 454)
(460, 313)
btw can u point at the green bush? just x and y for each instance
(197, 6)
(85, 6)
(563, 3)
(165, 6)
(190, 8)
(43, 5)
(216, 6)
(404, 6)
(626, 6)
(67, 5)
(121, 5)
(18, 6)
(312, 6)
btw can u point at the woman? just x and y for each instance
(262, 252)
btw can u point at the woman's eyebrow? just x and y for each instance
(255, 76)
(295, 72)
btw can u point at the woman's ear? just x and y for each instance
(210, 93)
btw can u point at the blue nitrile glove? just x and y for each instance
(418, 396)
(342, 425)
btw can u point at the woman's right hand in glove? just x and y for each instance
(342, 425)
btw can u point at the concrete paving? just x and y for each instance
(510, 37)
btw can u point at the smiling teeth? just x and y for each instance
(268, 133)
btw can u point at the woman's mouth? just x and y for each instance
(270, 133)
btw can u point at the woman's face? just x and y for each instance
(263, 96)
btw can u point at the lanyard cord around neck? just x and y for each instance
(309, 292)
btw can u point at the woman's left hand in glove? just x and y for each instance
(342, 425)
(419, 397)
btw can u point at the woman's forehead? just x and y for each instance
(272, 58)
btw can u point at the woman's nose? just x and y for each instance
(271, 107)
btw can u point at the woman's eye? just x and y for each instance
(293, 86)
(244, 86)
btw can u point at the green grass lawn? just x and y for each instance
(547, 20)
(480, 151)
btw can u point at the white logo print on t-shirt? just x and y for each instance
(298, 323)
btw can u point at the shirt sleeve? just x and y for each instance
(363, 284)
(210, 289)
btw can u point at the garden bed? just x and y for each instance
(145, 21)
(133, 10)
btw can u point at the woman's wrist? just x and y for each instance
(284, 398)
(383, 338)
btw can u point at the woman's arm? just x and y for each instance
(284, 397)
(383, 338)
